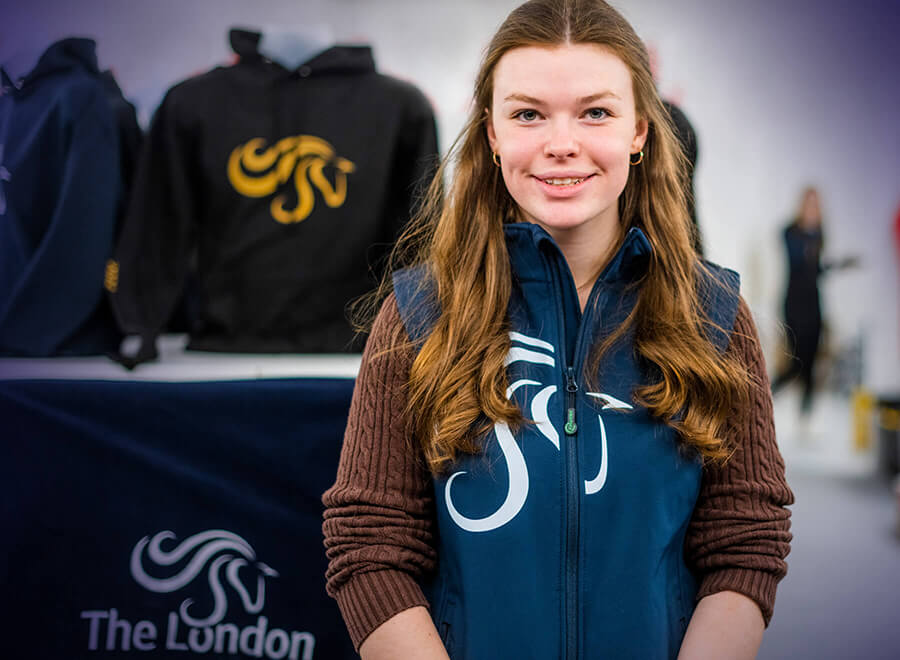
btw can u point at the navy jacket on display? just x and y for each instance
(277, 193)
(565, 539)
(60, 189)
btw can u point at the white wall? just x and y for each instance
(782, 94)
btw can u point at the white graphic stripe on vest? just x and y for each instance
(519, 354)
(518, 480)
(612, 403)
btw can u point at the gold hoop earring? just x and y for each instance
(496, 158)
(639, 160)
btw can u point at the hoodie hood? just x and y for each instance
(337, 59)
(64, 55)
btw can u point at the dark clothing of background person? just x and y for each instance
(802, 307)
(687, 137)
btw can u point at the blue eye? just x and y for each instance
(526, 115)
(597, 113)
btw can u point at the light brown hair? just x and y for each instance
(458, 379)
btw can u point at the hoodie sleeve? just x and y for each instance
(413, 165)
(158, 232)
(379, 514)
(740, 532)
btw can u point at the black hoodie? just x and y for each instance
(278, 192)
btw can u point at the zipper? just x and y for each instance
(573, 500)
(570, 426)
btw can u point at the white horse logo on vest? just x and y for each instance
(515, 461)
(205, 546)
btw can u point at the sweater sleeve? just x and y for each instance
(379, 514)
(740, 532)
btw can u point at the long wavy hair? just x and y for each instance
(458, 379)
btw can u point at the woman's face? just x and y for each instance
(810, 212)
(564, 124)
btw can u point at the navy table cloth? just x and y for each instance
(168, 519)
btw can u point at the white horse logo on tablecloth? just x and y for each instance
(216, 549)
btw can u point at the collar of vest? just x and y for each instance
(718, 287)
(523, 238)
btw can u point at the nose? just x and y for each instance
(561, 141)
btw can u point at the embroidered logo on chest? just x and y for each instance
(533, 351)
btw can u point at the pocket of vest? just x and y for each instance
(445, 627)
(685, 601)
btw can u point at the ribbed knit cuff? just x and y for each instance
(757, 585)
(370, 599)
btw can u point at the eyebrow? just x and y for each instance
(581, 101)
(523, 98)
(596, 97)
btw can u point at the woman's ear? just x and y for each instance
(641, 129)
(489, 129)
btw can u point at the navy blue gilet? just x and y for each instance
(565, 539)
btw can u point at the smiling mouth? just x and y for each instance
(565, 182)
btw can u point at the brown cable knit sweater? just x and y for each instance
(379, 518)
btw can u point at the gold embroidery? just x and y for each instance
(111, 276)
(256, 171)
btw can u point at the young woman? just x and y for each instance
(561, 442)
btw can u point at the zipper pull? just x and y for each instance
(571, 388)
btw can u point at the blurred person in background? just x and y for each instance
(804, 243)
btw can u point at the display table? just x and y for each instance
(170, 511)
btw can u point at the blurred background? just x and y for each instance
(782, 95)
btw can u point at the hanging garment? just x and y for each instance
(278, 193)
(60, 191)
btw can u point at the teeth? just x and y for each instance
(563, 182)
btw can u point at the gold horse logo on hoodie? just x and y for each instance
(256, 171)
